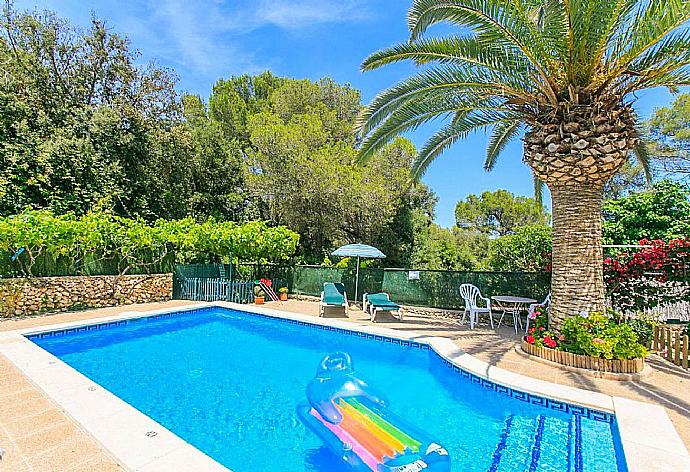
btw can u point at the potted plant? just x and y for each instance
(283, 293)
(259, 295)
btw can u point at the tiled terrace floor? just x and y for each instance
(38, 436)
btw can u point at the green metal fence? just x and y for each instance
(216, 282)
(428, 288)
(211, 290)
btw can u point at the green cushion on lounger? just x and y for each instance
(332, 296)
(382, 302)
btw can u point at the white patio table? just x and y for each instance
(512, 305)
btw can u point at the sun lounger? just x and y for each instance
(333, 295)
(373, 303)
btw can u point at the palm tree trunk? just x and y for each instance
(577, 282)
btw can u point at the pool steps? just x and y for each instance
(513, 453)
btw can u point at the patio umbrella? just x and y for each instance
(358, 251)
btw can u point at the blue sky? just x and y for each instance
(206, 40)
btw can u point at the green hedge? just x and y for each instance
(100, 243)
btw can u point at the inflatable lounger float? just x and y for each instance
(355, 424)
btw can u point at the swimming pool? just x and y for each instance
(228, 382)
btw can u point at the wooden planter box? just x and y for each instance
(632, 366)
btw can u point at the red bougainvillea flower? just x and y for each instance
(529, 339)
(532, 330)
(541, 328)
(550, 342)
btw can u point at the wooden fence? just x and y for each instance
(671, 344)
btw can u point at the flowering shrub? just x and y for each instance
(539, 334)
(651, 276)
(663, 260)
(597, 335)
(539, 317)
(594, 335)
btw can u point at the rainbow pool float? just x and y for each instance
(355, 424)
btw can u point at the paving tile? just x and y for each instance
(29, 425)
(47, 439)
(31, 404)
(100, 464)
(14, 463)
(67, 455)
(18, 388)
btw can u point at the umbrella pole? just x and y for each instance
(357, 280)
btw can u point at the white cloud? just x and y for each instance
(188, 32)
(298, 14)
(204, 33)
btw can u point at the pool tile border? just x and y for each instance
(641, 452)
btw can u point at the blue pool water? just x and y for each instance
(228, 382)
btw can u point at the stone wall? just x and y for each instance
(21, 297)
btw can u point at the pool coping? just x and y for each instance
(649, 439)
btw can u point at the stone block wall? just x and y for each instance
(30, 296)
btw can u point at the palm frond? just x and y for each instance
(502, 134)
(674, 49)
(592, 23)
(552, 22)
(451, 82)
(650, 25)
(412, 114)
(615, 13)
(641, 152)
(496, 21)
(459, 128)
(671, 80)
(450, 50)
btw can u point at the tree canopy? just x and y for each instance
(300, 148)
(527, 249)
(669, 133)
(499, 212)
(82, 125)
(663, 212)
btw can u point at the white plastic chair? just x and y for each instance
(533, 308)
(471, 294)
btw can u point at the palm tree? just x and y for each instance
(560, 73)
